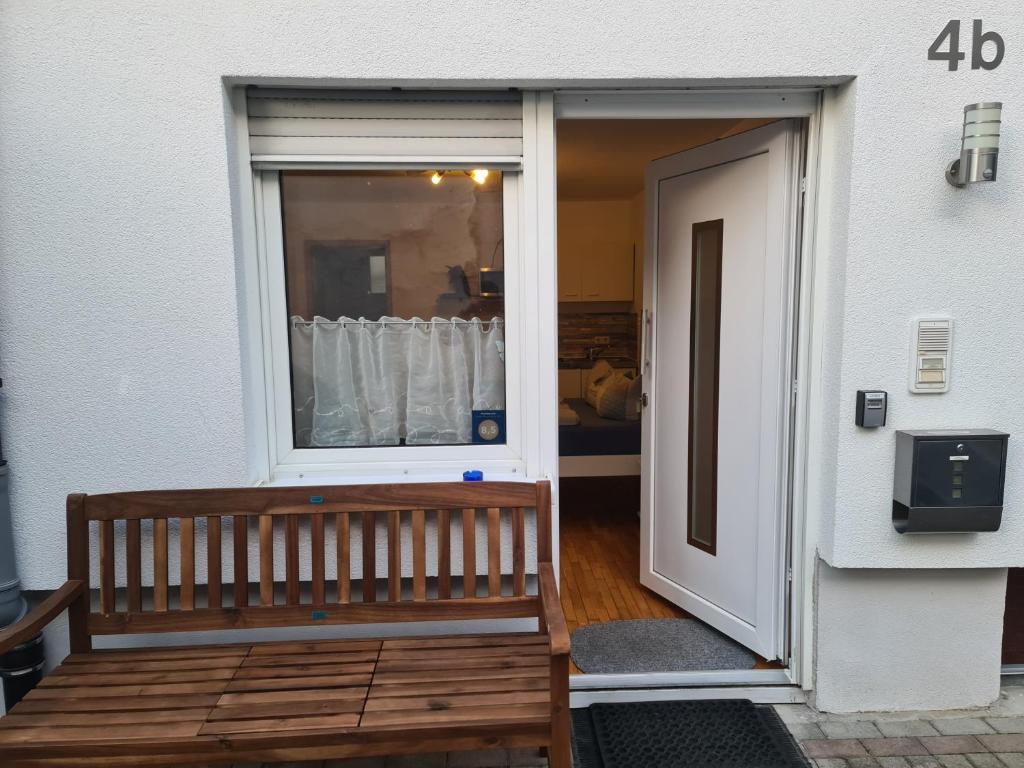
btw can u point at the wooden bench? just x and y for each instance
(298, 700)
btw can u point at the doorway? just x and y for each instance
(676, 297)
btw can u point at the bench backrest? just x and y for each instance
(342, 513)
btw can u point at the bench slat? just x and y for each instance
(317, 564)
(133, 564)
(469, 553)
(187, 543)
(240, 560)
(286, 708)
(295, 683)
(91, 733)
(444, 554)
(344, 563)
(266, 560)
(494, 552)
(383, 497)
(160, 565)
(289, 616)
(518, 552)
(443, 717)
(394, 556)
(419, 555)
(117, 704)
(291, 559)
(103, 719)
(107, 566)
(280, 724)
(437, 687)
(369, 557)
(214, 596)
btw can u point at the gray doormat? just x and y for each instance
(656, 645)
(683, 734)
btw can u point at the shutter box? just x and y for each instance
(449, 129)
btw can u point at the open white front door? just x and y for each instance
(715, 362)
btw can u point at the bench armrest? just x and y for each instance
(33, 622)
(551, 610)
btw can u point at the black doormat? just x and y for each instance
(728, 733)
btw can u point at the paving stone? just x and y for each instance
(862, 762)
(797, 713)
(484, 758)
(923, 761)
(892, 761)
(953, 745)
(1003, 742)
(831, 762)
(962, 726)
(954, 761)
(823, 748)
(1011, 759)
(906, 728)
(985, 760)
(897, 745)
(861, 729)
(1006, 724)
(805, 731)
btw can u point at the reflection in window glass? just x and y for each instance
(393, 342)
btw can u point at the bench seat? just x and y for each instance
(227, 703)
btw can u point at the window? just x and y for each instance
(393, 316)
(705, 336)
(392, 340)
(388, 317)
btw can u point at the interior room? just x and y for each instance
(601, 242)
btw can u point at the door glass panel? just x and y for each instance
(705, 316)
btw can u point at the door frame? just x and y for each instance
(804, 353)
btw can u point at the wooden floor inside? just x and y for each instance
(600, 555)
(599, 535)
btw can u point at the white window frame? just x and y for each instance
(289, 463)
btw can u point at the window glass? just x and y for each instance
(395, 297)
(705, 335)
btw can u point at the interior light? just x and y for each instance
(480, 175)
(436, 178)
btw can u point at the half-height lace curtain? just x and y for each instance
(369, 383)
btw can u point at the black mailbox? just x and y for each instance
(948, 481)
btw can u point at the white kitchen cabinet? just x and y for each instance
(595, 251)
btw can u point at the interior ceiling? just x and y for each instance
(605, 159)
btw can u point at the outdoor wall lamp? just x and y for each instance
(979, 150)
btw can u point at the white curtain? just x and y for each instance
(361, 382)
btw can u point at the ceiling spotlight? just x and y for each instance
(479, 175)
(979, 147)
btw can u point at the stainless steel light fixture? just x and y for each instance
(979, 150)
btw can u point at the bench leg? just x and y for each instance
(560, 751)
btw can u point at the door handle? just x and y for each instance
(648, 326)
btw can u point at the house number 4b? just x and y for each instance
(950, 37)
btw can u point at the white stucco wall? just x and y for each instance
(907, 639)
(119, 302)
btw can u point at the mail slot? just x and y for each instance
(949, 481)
